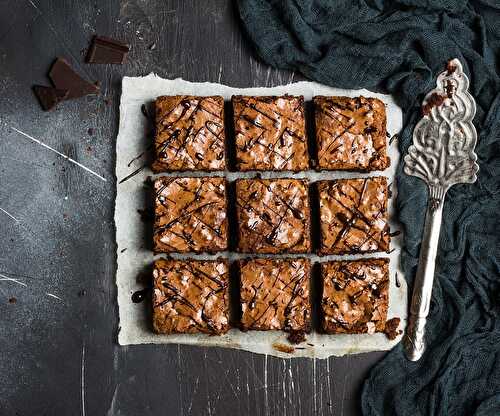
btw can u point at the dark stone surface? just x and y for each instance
(60, 356)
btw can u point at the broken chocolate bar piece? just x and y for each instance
(65, 78)
(107, 51)
(49, 97)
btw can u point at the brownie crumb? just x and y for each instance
(391, 328)
(283, 348)
(435, 100)
(296, 337)
(12, 300)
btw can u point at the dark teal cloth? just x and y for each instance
(399, 47)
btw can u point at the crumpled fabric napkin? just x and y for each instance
(399, 47)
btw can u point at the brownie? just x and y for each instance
(274, 294)
(351, 133)
(190, 215)
(273, 215)
(355, 296)
(353, 215)
(270, 133)
(190, 296)
(189, 134)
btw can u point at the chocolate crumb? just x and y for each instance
(391, 328)
(12, 300)
(283, 348)
(90, 131)
(296, 337)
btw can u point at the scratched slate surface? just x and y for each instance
(58, 317)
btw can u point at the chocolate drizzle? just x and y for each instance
(140, 295)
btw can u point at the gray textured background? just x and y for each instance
(60, 356)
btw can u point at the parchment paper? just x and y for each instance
(135, 257)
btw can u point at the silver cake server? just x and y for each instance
(442, 155)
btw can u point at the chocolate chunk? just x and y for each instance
(49, 97)
(107, 51)
(65, 78)
(391, 328)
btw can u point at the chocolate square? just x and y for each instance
(273, 215)
(355, 296)
(190, 215)
(270, 133)
(351, 133)
(190, 296)
(189, 134)
(353, 215)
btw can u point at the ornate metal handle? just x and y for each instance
(414, 339)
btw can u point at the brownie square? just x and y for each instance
(351, 133)
(270, 133)
(355, 296)
(190, 296)
(190, 215)
(189, 134)
(274, 294)
(273, 215)
(353, 215)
